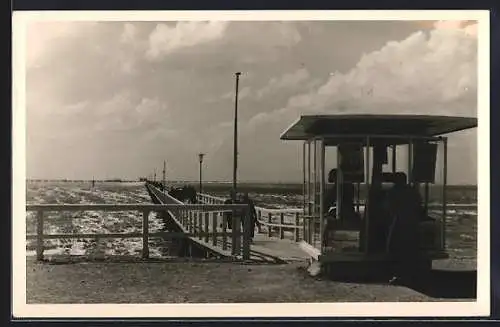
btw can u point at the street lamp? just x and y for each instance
(235, 150)
(200, 156)
(164, 177)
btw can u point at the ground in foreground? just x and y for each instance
(195, 282)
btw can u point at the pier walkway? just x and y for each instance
(277, 243)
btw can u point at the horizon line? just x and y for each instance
(193, 181)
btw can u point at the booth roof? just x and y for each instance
(309, 126)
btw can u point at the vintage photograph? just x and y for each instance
(239, 160)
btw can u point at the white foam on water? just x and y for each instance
(89, 222)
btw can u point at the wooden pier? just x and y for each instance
(263, 247)
(202, 228)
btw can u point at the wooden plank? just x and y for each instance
(297, 229)
(131, 207)
(215, 249)
(207, 225)
(224, 232)
(269, 221)
(39, 231)
(246, 235)
(234, 238)
(190, 226)
(169, 235)
(214, 228)
(200, 223)
(282, 222)
(285, 226)
(145, 232)
(195, 221)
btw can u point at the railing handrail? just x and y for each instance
(197, 210)
(163, 196)
(293, 210)
(132, 207)
(266, 216)
(285, 210)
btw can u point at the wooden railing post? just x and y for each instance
(39, 239)
(145, 234)
(234, 233)
(207, 223)
(190, 222)
(259, 216)
(200, 223)
(297, 228)
(195, 222)
(246, 234)
(304, 229)
(281, 229)
(224, 231)
(214, 228)
(269, 222)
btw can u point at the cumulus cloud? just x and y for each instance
(43, 36)
(243, 93)
(289, 80)
(428, 74)
(422, 74)
(140, 92)
(126, 111)
(129, 33)
(165, 39)
(464, 26)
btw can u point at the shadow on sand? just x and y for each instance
(442, 284)
(446, 284)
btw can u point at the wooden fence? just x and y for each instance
(287, 219)
(293, 219)
(201, 222)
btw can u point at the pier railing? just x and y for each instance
(278, 222)
(201, 221)
(240, 243)
(284, 222)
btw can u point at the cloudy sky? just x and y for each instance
(114, 99)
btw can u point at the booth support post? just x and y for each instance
(365, 240)
(312, 224)
(321, 193)
(304, 190)
(445, 171)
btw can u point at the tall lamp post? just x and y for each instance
(235, 150)
(164, 177)
(200, 157)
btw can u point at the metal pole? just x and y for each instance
(410, 162)
(321, 192)
(367, 200)
(200, 156)
(164, 177)
(235, 150)
(445, 172)
(312, 228)
(394, 158)
(304, 191)
(338, 185)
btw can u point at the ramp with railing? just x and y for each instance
(201, 218)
